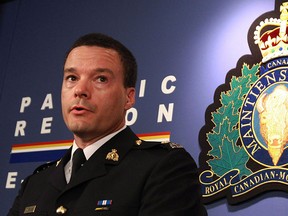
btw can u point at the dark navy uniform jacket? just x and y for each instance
(145, 179)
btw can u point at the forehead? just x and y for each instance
(93, 56)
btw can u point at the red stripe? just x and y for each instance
(41, 143)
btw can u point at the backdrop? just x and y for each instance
(184, 50)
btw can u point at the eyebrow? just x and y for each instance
(97, 70)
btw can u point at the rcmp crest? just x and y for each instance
(245, 139)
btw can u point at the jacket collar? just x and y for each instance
(96, 166)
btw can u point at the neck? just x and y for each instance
(83, 141)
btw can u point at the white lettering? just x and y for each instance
(164, 86)
(46, 124)
(20, 126)
(142, 88)
(134, 115)
(26, 101)
(11, 180)
(48, 103)
(168, 114)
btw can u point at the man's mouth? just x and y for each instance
(78, 109)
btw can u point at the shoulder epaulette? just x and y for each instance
(149, 144)
(172, 145)
(44, 166)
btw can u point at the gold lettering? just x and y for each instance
(282, 75)
(260, 86)
(246, 115)
(249, 134)
(253, 145)
(268, 78)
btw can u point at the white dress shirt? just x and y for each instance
(88, 152)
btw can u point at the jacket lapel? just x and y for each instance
(57, 179)
(96, 165)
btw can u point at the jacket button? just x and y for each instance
(61, 210)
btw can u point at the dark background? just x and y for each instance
(198, 42)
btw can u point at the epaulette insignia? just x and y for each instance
(172, 145)
(57, 163)
(113, 155)
(45, 166)
(138, 142)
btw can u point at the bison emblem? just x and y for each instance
(273, 120)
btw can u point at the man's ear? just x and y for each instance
(130, 94)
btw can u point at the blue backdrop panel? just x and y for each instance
(184, 46)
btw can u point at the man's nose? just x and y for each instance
(82, 90)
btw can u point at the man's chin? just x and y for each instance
(78, 128)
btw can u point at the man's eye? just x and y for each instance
(102, 79)
(71, 78)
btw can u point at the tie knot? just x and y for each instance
(78, 157)
(78, 160)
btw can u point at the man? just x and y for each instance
(120, 174)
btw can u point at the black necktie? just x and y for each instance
(78, 161)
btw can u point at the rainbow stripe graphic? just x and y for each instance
(50, 151)
(156, 136)
(40, 151)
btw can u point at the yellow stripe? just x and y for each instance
(53, 145)
(41, 146)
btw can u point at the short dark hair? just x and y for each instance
(100, 40)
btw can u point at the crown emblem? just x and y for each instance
(273, 43)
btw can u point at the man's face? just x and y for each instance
(94, 99)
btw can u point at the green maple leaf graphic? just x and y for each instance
(227, 161)
(226, 153)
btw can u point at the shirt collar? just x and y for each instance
(89, 150)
